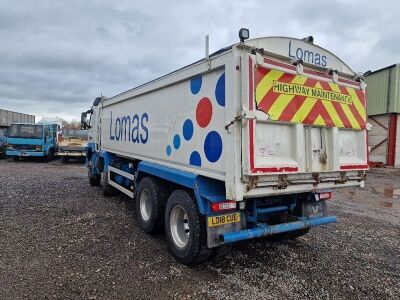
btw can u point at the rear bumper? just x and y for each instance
(262, 230)
(15, 153)
(71, 154)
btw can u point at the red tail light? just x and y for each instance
(223, 206)
(325, 195)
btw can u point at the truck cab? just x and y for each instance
(32, 140)
(72, 143)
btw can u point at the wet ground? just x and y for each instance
(60, 238)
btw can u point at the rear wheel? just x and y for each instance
(185, 229)
(64, 159)
(151, 199)
(16, 158)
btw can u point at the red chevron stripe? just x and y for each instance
(270, 97)
(338, 107)
(353, 109)
(360, 94)
(295, 104)
(356, 114)
(261, 73)
(318, 110)
(341, 114)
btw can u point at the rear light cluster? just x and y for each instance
(323, 196)
(223, 206)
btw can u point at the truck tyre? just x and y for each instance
(50, 155)
(185, 229)
(151, 199)
(108, 190)
(94, 179)
(64, 159)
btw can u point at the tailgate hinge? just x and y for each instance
(244, 115)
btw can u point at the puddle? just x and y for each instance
(387, 191)
(390, 196)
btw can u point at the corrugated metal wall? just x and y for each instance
(397, 153)
(383, 92)
(7, 117)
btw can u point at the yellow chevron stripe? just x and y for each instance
(350, 116)
(304, 110)
(284, 99)
(331, 110)
(333, 113)
(266, 84)
(345, 107)
(319, 121)
(357, 103)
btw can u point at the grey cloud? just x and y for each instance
(56, 56)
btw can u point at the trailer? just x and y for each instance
(248, 142)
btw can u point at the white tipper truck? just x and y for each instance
(248, 142)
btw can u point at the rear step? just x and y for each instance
(262, 229)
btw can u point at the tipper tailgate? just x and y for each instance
(302, 121)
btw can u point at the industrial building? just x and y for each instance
(383, 103)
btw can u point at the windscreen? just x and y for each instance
(74, 133)
(26, 131)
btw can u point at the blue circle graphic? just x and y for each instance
(195, 85)
(177, 141)
(168, 150)
(220, 90)
(188, 129)
(213, 146)
(195, 159)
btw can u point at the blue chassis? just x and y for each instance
(210, 190)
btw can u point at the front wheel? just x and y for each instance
(94, 179)
(185, 229)
(50, 155)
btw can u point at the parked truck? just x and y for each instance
(32, 140)
(248, 142)
(8, 117)
(72, 143)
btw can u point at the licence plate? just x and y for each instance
(223, 219)
(23, 154)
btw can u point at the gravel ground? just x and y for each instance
(60, 238)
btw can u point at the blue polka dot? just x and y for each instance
(177, 141)
(168, 150)
(220, 90)
(195, 85)
(188, 129)
(195, 159)
(213, 146)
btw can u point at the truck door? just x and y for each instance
(300, 120)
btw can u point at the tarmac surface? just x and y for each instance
(61, 239)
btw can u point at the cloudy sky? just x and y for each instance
(57, 56)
